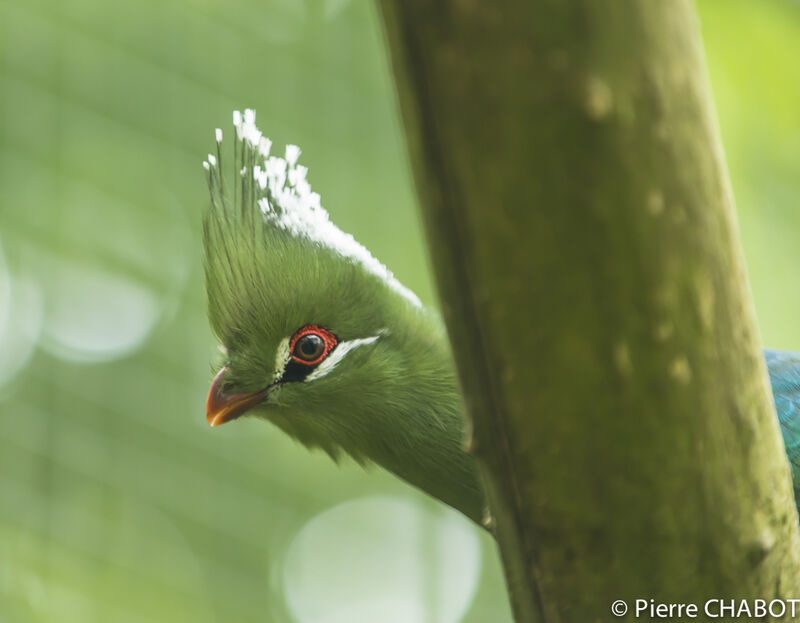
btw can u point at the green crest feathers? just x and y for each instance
(267, 230)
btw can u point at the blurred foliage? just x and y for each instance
(117, 502)
(753, 52)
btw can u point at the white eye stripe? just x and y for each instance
(281, 358)
(342, 348)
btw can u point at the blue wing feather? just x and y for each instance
(784, 375)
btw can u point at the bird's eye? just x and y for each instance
(309, 347)
(311, 344)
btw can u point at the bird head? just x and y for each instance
(316, 334)
(318, 337)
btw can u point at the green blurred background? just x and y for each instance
(117, 501)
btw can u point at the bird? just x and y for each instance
(323, 341)
(784, 377)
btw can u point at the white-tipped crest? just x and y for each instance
(285, 198)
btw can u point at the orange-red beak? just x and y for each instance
(222, 407)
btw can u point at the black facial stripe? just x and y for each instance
(296, 371)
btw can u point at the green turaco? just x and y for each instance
(320, 339)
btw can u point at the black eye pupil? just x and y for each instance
(310, 344)
(309, 347)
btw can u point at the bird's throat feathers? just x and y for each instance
(407, 417)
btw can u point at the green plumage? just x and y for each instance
(274, 264)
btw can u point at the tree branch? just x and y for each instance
(582, 229)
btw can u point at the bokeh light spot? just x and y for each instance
(382, 559)
(20, 321)
(95, 315)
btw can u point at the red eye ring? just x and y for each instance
(329, 342)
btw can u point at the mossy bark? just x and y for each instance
(582, 228)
